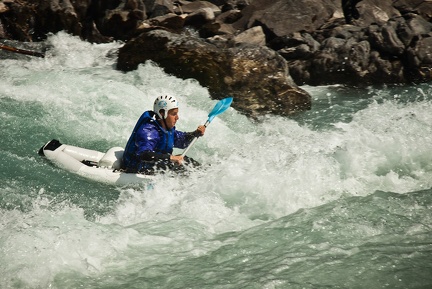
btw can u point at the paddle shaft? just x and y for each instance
(193, 141)
(220, 107)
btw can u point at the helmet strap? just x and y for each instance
(166, 127)
(163, 116)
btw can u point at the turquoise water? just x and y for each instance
(336, 197)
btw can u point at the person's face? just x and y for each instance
(172, 118)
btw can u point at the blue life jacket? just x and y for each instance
(149, 135)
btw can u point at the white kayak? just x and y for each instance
(91, 164)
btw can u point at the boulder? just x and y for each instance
(56, 15)
(157, 8)
(192, 7)
(222, 25)
(122, 21)
(254, 35)
(375, 12)
(384, 38)
(420, 59)
(380, 41)
(200, 17)
(421, 8)
(255, 75)
(280, 18)
(170, 21)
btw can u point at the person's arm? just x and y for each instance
(183, 139)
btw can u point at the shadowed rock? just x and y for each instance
(256, 76)
(383, 42)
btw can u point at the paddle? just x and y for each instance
(220, 107)
(21, 51)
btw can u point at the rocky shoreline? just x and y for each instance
(258, 51)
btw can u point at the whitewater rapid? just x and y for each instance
(336, 197)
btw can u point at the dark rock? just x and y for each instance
(218, 2)
(170, 21)
(301, 51)
(375, 12)
(350, 10)
(200, 17)
(280, 18)
(384, 41)
(345, 32)
(256, 76)
(221, 25)
(421, 8)
(215, 28)
(16, 21)
(122, 21)
(192, 7)
(58, 16)
(293, 40)
(418, 25)
(384, 70)
(157, 8)
(420, 60)
(229, 17)
(299, 70)
(358, 58)
(235, 5)
(254, 35)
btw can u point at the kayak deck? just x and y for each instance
(92, 164)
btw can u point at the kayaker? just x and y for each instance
(151, 143)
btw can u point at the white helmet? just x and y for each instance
(166, 103)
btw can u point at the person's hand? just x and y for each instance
(178, 160)
(200, 130)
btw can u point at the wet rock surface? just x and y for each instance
(259, 51)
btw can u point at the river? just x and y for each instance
(336, 197)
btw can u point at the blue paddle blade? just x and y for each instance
(220, 107)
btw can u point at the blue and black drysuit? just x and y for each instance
(150, 145)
